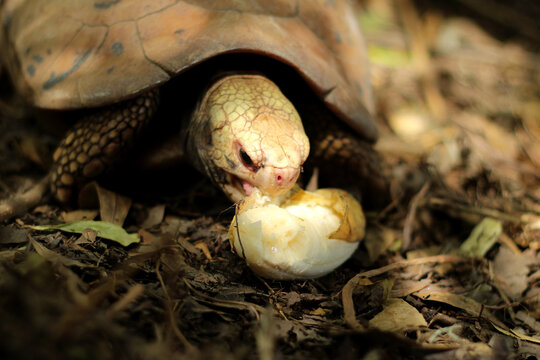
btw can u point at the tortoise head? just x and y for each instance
(246, 134)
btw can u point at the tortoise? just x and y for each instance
(232, 87)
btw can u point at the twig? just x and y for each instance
(441, 202)
(407, 229)
(238, 231)
(172, 320)
(512, 304)
(132, 294)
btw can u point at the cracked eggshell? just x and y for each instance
(300, 236)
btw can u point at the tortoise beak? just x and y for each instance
(270, 181)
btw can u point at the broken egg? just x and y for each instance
(301, 235)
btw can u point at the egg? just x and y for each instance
(301, 235)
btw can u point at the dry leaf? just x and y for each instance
(378, 240)
(54, 257)
(510, 270)
(155, 216)
(78, 215)
(403, 288)
(397, 316)
(113, 207)
(462, 302)
(320, 311)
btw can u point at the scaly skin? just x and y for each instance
(248, 134)
(93, 145)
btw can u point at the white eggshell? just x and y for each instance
(291, 241)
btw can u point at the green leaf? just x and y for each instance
(393, 58)
(103, 229)
(482, 237)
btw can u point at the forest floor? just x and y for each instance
(450, 269)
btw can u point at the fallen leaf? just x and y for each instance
(33, 147)
(104, 229)
(423, 252)
(403, 288)
(529, 320)
(320, 311)
(397, 316)
(147, 237)
(413, 125)
(113, 207)
(292, 298)
(482, 237)
(155, 216)
(462, 302)
(54, 257)
(78, 215)
(516, 334)
(201, 245)
(87, 236)
(378, 240)
(43, 209)
(510, 270)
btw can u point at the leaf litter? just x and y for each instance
(450, 269)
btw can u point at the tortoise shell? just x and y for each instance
(85, 53)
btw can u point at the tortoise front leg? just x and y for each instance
(346, 161)
(97, 142)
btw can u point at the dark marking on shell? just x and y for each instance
(55, 79)
(38, 58)
(49, 51)
(105, 4)
(27, 51)
(117, 48)
(179, 32)
(110, 70)
(337, 35)
(31, 70)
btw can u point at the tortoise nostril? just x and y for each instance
(279, 179)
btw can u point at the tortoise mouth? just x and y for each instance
(239, 188)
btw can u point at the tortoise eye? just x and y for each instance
(246, 159)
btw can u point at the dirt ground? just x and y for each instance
(449, 269)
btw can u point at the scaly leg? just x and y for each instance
(344, 159)
(97, 142)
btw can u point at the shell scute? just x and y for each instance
(80, 53)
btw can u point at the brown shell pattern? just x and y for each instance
(79, 53)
